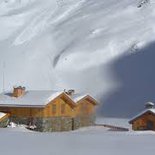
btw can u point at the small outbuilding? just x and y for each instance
(144, 120)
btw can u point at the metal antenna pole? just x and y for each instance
(3, 76)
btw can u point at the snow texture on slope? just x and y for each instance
(80, 44)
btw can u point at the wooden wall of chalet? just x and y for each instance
(141, 122)
(22, 111)
(84, 108)
(61, 106)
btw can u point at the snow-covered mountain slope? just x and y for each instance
(97, 46)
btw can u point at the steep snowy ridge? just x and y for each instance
(57, 44)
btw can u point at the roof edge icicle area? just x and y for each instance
(36, 98)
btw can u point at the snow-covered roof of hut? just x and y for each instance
(36, 98)
(151, 110)
(2, 115)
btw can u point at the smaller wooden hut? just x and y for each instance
(144, 120)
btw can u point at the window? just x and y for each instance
(54, 108)
(63, 108)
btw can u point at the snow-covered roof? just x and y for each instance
(36, 98)
(2, 115)
(152, 110)
(77, 97)
(33, 98)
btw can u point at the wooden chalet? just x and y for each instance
(144, 120)
(48, 110)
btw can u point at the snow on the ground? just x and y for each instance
(91, 140)
(119, 122)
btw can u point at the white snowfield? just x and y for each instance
(63, 44)
(69, 43)
(91, 140)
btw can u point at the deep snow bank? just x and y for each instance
(92, 141)
(72, 43)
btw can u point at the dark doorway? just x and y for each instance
(73, 125)
(149, 125)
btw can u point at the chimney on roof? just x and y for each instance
(18, 91)
(149, 105)
(70, 92)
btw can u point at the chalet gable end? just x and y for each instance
(89, 99)
(65, 98)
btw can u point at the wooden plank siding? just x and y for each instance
(58, 107)
(23, 111)
(141, 122)
(84, 108)
(61, 105)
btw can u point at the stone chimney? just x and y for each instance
(149, 105)
(70, 92)
(18, 91)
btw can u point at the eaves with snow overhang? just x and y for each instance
(33, 99)
(80, 97)
(151, 111)
(3, 115)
